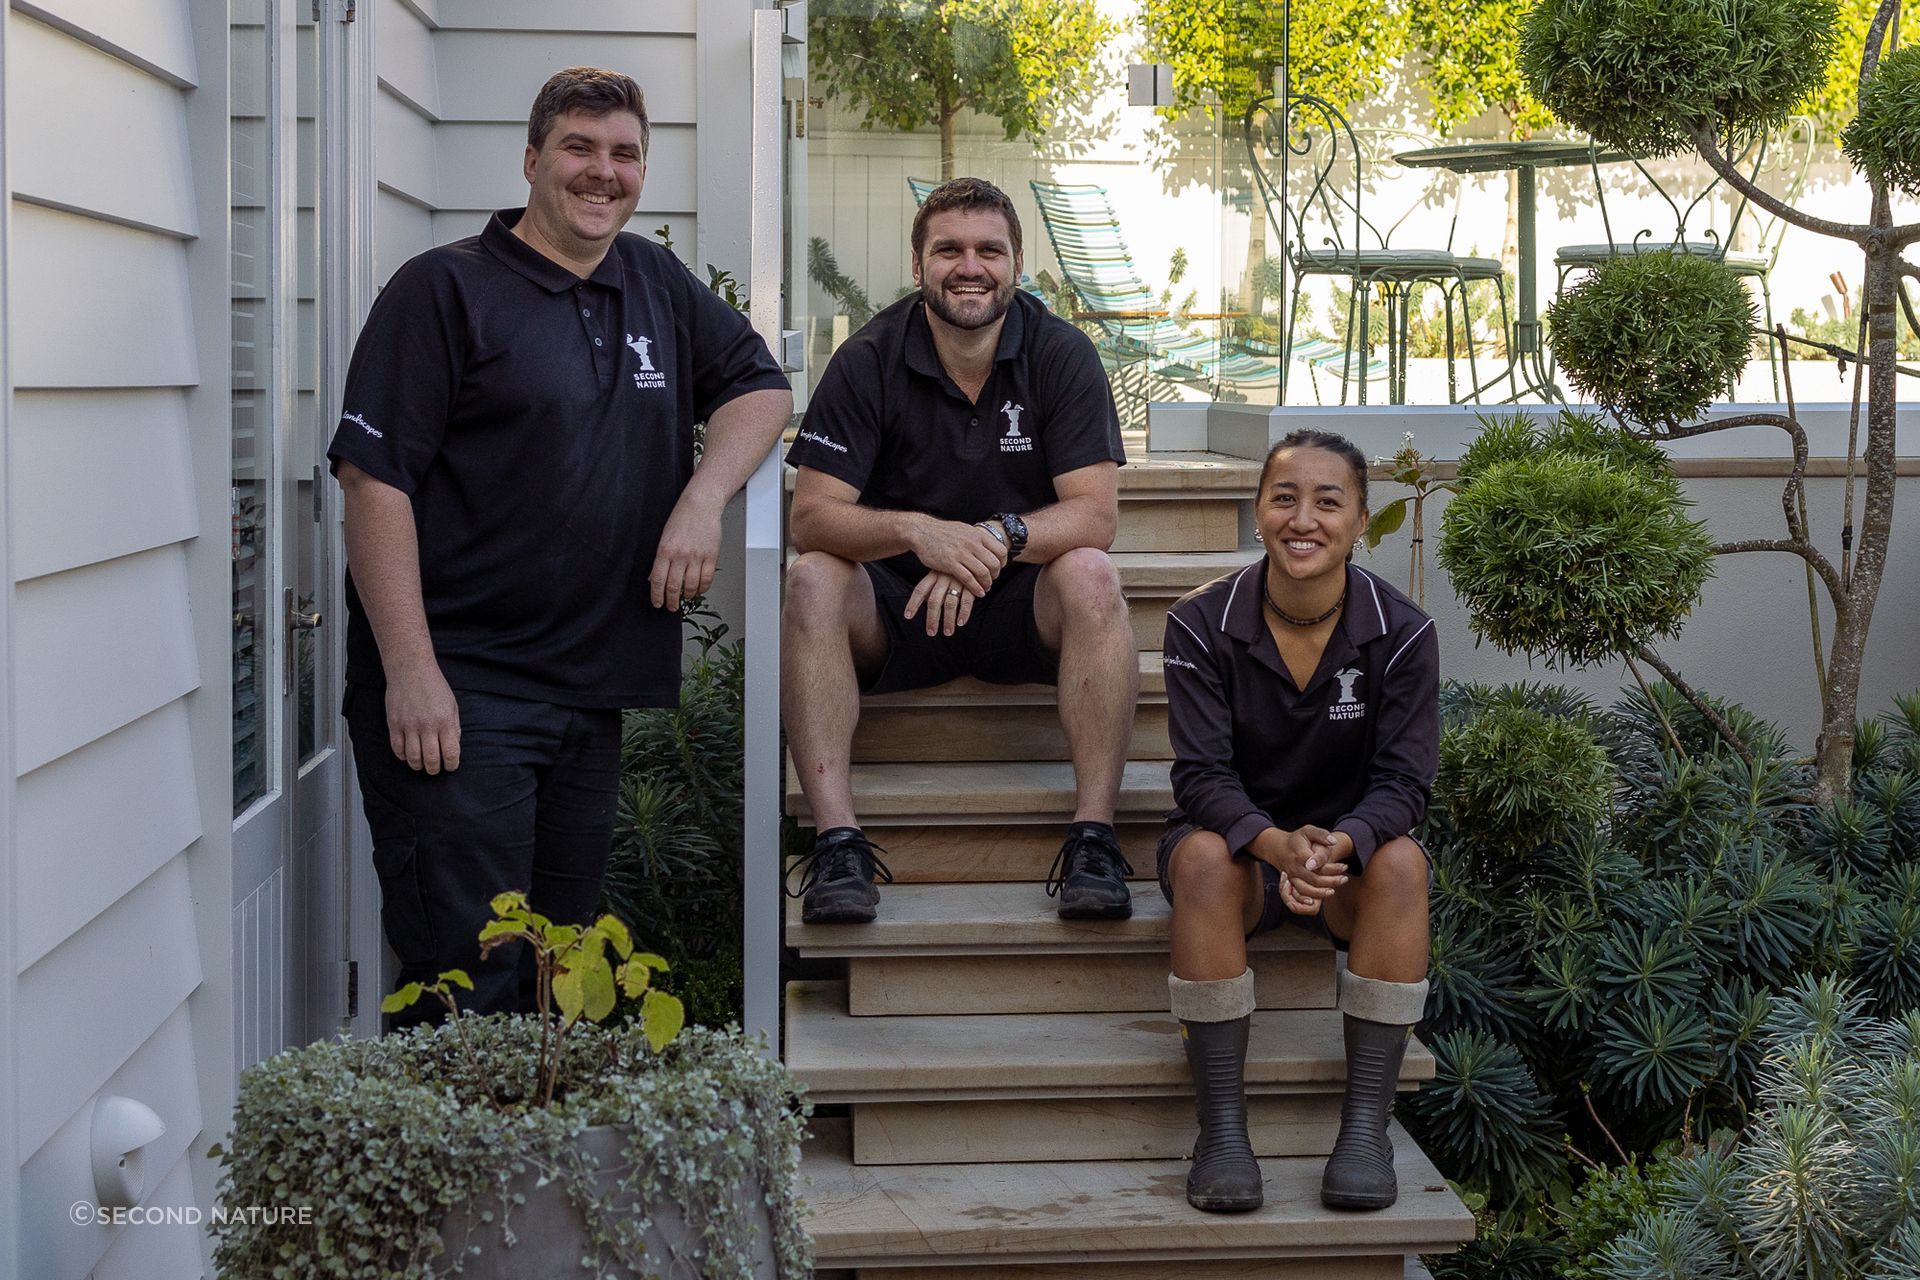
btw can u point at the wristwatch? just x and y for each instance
(1016, 533)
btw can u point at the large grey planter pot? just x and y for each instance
(550, 1231)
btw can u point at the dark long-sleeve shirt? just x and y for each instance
(1355, 751)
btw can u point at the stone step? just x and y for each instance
(1002, 1130)
(944, 1058)
(1091, 1214)
(947, 853)
(1378, 1268)
(1124, 982)
(1000, 919)
(1000, 948)
(1019, 732)
(1152, 582)
(968, 692)
(988, 792)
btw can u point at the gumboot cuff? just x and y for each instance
(1397, 1004)
(1220, 1001)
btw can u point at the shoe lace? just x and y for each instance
(835, 860)
(1091, 852)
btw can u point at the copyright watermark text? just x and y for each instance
(86, 1214)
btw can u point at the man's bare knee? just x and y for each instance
(817, 586)
(1084, 583)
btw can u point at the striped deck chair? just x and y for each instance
(1094, 256)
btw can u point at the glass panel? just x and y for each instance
(252, 489)
(313, 730)
(1118, 202)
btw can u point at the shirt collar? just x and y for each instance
(1363, 619)
(528, 261)
(923, 359)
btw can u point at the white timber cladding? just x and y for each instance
(9, 951)
(115, 713)
(455, 82)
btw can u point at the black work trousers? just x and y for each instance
(531, 808)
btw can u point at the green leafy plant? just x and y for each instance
(1572, 560)
(1655, 340)
(908, 63)
(1825, 1181)
(389, 1143)
(1223, 53)
(842, 288)
(674, 875)
(1619, 899)
(1414, 470)
(1614, 333)
(1642, 76)
(574, 978)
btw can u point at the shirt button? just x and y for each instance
(586, 311)
(973, 422)
(596, 342)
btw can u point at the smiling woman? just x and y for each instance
(1303, 706)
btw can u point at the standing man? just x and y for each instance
(523, 520)
(958, 490)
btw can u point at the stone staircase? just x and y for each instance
(1002, 1094)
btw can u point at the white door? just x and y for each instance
(289, 871)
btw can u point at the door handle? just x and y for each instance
(298, 621)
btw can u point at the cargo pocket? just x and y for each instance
(403, 903)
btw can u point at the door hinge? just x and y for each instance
(346, 9)
(352, 9)
(353, 989)
(318, 493)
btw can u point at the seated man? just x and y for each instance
(958, 489)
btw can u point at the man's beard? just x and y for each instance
(997, 304)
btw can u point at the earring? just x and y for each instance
(1257, 537)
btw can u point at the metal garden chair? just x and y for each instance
(1312, 172)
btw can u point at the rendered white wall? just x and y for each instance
(1749, 639)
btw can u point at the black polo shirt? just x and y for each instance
(543, 426)
(1355, 751)
(887, 419)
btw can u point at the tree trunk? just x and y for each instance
(1834, 750)
(947, 115)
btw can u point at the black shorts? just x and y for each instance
(1274, 910)
(1000, 643)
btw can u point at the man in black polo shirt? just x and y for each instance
(957, 492)
(523, 520)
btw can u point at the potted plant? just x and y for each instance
(573, 1140)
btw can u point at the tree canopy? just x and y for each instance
(1224, 52)
(1469, 61)
(908, 63)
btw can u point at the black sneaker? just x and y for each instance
(1090, 875)
(836, 881)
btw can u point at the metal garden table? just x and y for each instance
(1524, 347)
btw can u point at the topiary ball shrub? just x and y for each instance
(1654, 337)
(1884, 138)
(1637, 74)
(1575, 432)
(1573, 561)
(1513, 778)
